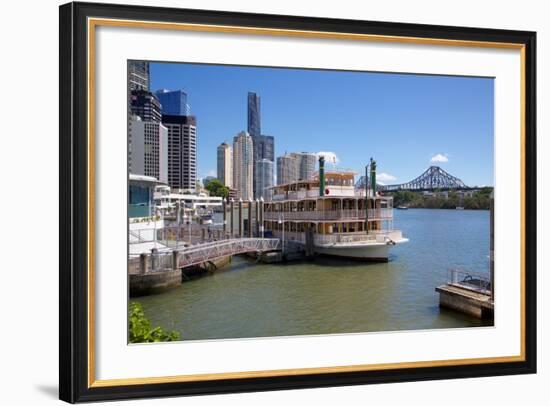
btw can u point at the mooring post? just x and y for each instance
(240, 218)
(175, 260)
(142, 263)
(262, 217)
(257, 217)
(224, 210)
(154, 259)
(249, 218)
(367, 199)
(232, 215)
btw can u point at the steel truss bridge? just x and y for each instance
(433, 178)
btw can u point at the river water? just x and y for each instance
(327, 295)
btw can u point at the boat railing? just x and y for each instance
(340, 190)
(344, 238)
(299, 194)
(351, 214)
(380, 236)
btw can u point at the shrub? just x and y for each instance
(141, 331)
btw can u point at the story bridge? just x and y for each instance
(433, 178)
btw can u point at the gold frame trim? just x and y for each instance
(94, 22)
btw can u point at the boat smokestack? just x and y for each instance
(321, 176)
(367, 199)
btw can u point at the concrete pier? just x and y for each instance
(154, 282)
(473, 303)
(150, 283)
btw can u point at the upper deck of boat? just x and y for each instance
(338, 184)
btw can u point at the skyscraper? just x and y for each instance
(145, 105)
(243, 162)
(225, 164)
(174, 102)
(148, 148)
(138, 75)
(182, 151)
(254, 120)
(263, 177)
(286, 169)
(264, 148)
(264, 145)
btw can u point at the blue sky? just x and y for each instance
(406, 122)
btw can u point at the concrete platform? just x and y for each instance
(154, 282)
(466, 301)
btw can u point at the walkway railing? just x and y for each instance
(208, 252)
(199, 253)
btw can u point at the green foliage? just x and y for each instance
(141, 331)
(216, 188)
(480, 200)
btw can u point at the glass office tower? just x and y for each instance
(174, 102)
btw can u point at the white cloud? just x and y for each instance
(440, 158)
(211, 172)
(384, 177)
(330, 157)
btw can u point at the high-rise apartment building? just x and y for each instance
(254, 119)
(182, 151)
(286, 169)
(295, 166)
(148, 149)
(243, 165)
(305, 164)
(145, 105)
(174, 102)
(263, 176)
(138, 75)
(225, 164)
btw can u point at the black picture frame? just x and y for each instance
(74, 385)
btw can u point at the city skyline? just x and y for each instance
(411, 121)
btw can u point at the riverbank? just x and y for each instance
(469, 200)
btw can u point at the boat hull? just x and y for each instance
(364, 252)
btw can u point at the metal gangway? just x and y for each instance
(197, 254)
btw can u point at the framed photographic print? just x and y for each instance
(254, 202)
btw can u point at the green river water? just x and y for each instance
(327, 295)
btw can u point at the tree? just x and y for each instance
(141, 331)
(216, 188)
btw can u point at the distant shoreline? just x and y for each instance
(441, 208)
